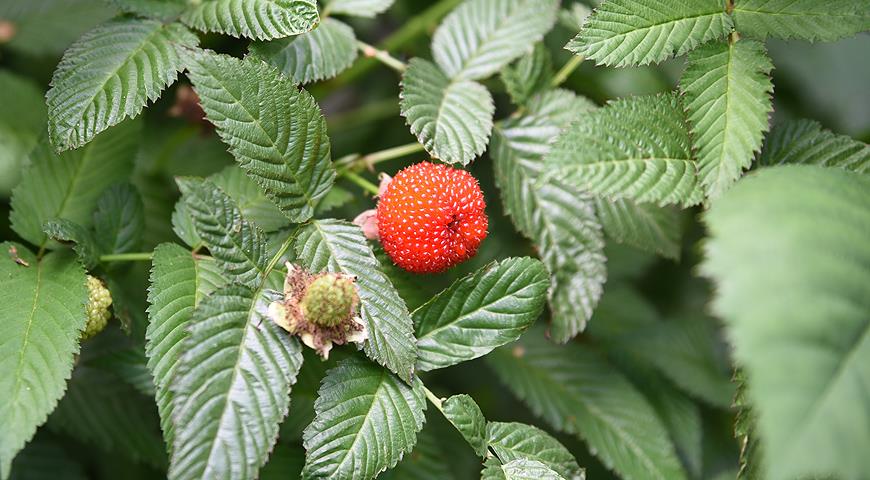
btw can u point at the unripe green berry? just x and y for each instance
(329, 300)
(99, 300)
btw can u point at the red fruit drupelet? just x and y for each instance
(431, 217)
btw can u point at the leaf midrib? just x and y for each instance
(18, 369)
(356, 436)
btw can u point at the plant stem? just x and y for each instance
(127, 257)
(352, 161)
(434, 399)
(362, 182)
(381, 55)
(566, 70)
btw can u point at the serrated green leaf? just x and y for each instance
(119, 219)
(178, 282)
(746, 432)
(65, 231)
(317, 55)
(451, 118)
(577, 391)
(257, 19)
(68, 185)
(232, 387)
(42, 317)
(801, 19)
(160, 9)
(623, 33)
(22, 120)
(559, 219)
(110, 74)
(794, 296)
(805, 141)
(252, 202)
(651, 161)
(358, 8)
(280, 143)
(727, 88)
(183, 227)
(528, 75)
(524, 469)
(515, 441)
(480, 37)
(99, 410)
(464, 414)
(480, 312)
(358, 402)
(642, 225)
(336, 198)
(338, 246)
(238, 245)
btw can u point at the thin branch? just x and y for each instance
(566, 70)
(127, 257)
(382, 56)
(360, 181)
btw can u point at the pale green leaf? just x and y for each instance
(642, 225)
(492, 470)
(338, 246)
(68, 185)
(178, 282)
(578, 392)
(22, 121)
(258, 19)
(119, 219)
(110, 74)
(238, 245)
(636, 148)
(367, 419)
(232, 387)
(358, 8)
(480, 312)
(42, 317)
(65, 232)
(805, 141)
(622, 33)
(727, 90)
(794, 296)
(274, 129)
(451, 118)
(183, 227)
(250, 199)
(480, 37)
(515, 441)
(317, 55)
(528, 75)
(464, 414)
(560, 220)
(524, 469)
(802, 19)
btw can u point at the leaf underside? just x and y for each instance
(806, 142)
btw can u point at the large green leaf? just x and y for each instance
(480, 312)
(367, 419)
(178, 282)
(338, 246)
(794, 296)
(68, 185)
(42, 317)
(515, 441)
(110, 74)
(651, 161)
(232, 387)
(67, 232)
(727, 88)
(577, 391)
(119, 219)
(451, 118)
(642, 225)
(637, 32)
(274, 129)
(464, 414)
(805, 141)
(22, 120)
(259, 19)
(803, 19)
(317, 55)
(358, 8)
(238, 245)
(250, 199)
(480, 37)
(559, 219)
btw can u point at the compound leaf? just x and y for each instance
(257, 19)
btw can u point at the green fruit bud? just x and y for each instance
(99, 300)
(329, 300)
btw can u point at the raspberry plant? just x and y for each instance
(181, 262)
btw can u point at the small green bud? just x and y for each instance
(99, 300)
(329, 300)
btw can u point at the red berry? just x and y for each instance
(431, 217)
